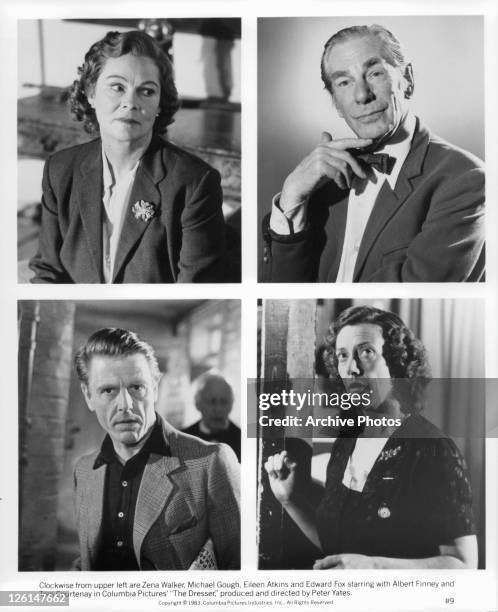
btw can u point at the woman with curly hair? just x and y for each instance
(397, 493)
(128, 207)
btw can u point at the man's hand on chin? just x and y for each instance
(329, 161)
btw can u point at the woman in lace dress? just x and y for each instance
(397, 495)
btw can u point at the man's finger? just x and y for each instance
(326, 137)
(341, 182)
(353, 163)
(349, 143)
(331, 155)
(337, 170)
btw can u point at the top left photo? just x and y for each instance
(129, 151)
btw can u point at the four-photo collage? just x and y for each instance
(263, 344)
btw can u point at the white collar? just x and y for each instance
(399, 150)
(108, 180)
(361, 462)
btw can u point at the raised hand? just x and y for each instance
(281, 475)
(329, 161)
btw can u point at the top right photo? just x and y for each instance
(370, 149)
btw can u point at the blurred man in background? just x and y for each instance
(213, 398)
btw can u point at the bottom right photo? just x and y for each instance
(370, 422)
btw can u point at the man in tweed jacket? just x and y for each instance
(152, 498)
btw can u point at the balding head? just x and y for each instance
(213, 398)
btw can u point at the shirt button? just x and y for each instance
(119, 543)
(266, 250)
(265, 259)
(124, 483)
(120, 514)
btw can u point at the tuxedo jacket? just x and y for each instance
(184, 499)
(183, 241)
(430, 228)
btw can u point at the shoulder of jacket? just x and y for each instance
(74, 151)
(417, 426)
(456, 158)
(85, 462)
(66, 160)
(184, 160)
(434, 444)
(188, 447)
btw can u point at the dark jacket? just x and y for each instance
(429, 229)
(184, 241)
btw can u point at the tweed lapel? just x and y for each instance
(156, 489)
(88, 192)
(149, 174)
(389, 201)
(91, 512)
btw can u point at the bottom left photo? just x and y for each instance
(129, 435)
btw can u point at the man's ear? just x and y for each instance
(86, 395)
(410, 81)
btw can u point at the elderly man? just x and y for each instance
(395, 203)
(151, 498)
(213, 398)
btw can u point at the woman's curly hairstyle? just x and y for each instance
(405, 354)
(116, 44)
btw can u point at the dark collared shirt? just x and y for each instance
(122, 483)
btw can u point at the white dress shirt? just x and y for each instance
(361, 201)
(115, 200)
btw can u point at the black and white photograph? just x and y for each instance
(129, 151)
(129, 436)
(371, 148)
(248, 312)
(392, 489)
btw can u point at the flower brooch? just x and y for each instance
(143, 210)
(389, 454)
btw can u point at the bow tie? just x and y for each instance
(382, 162)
